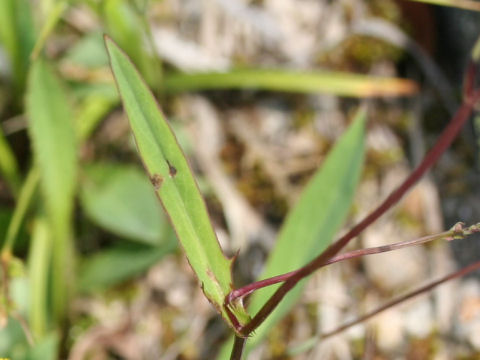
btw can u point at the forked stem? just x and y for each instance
(471, 97)
(456, 232)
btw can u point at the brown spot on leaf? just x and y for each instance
(156, 181)
(171, 169)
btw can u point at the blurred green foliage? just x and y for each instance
(62, 113)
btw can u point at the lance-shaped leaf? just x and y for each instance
(311, 224)
(174, 184)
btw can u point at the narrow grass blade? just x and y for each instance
(24, 200)
(54, 145)
(461, 4)
(337, 83)
(174, 184)
(51, 21)
(54, 142)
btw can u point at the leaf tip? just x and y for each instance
(107, 38)
(109, 44)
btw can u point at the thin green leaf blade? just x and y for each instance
(53, 138)
(54, 142)
(174, 183)
(53, 17)
(24, 199)
(337, 83)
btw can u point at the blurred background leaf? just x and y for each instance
(341, 84)
(120, 199)
(54, 143)
(122, 262)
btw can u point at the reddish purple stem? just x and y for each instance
(471, 96)
(248, 289)
(392, 303)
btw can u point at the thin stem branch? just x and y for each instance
(308, 344)
(238, 347)
(23, 203)
(471, 97)
(392, 303)
(454, 233)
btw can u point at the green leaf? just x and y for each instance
(312, 223)
(51, 129)
(338, 83)
(122, 262)
(174, 184)
(317, 217)
(54, 143)
(121, 200)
